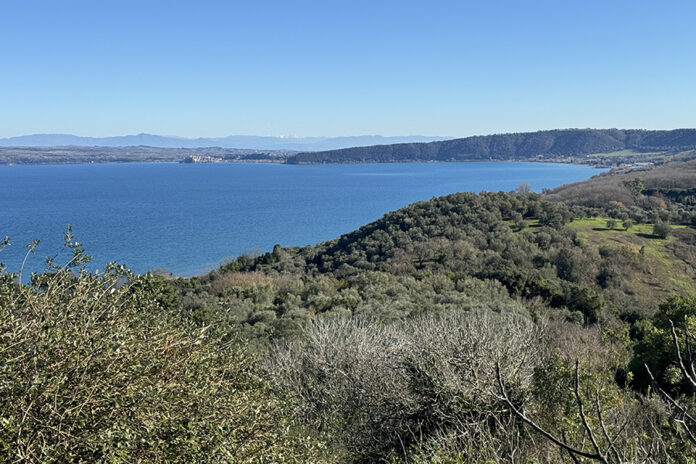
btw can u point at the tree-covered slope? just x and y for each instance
(464, 329)
(441, 331)
(546, 144)
(595, 259)
(633, 189)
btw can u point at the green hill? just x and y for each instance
(576, 144)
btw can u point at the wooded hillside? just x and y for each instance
(575, 143)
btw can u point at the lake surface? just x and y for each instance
(188, 218)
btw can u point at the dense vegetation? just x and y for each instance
(498, 327)
(102, 368)
(573, 144)
(645, 189)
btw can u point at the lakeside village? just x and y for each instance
(203, 159)
(250, 157)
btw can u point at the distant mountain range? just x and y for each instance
(599, 147)
(575, 144)
(250, 142)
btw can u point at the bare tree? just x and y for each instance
(524, 188)
(427, 381)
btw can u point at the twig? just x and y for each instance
(540, 430)
(691, 378)
(583, 417)
(685, 414)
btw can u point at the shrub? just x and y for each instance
(662, 229)
(100, 369)
(380, 389)
(655, 348)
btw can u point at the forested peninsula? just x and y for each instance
(492, 327)
(590, 146)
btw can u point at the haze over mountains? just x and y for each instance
(251, 142)
(599, 147)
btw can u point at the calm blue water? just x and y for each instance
(187, 218)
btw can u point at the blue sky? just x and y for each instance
(209, 68)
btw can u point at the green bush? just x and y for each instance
(662, 229)
(655, 347)
(101, 369)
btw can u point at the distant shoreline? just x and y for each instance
(284, 163)
(602, 170)
(608, 148)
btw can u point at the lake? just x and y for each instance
(187, 218)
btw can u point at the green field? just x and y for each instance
(664, 271)
(598, 224)
(666, 268)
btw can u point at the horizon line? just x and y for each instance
(290, 137)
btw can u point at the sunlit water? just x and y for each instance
(188, 218)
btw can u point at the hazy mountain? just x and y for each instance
(234, 141)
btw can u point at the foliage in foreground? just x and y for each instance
(100, 369)
(655, 347)
(376, 389)
(470, 387)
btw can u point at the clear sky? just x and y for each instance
(215, 68)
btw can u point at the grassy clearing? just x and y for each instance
(659, 271)
(662, 271)
(588, 228)
(623, 153)
(665, 270)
